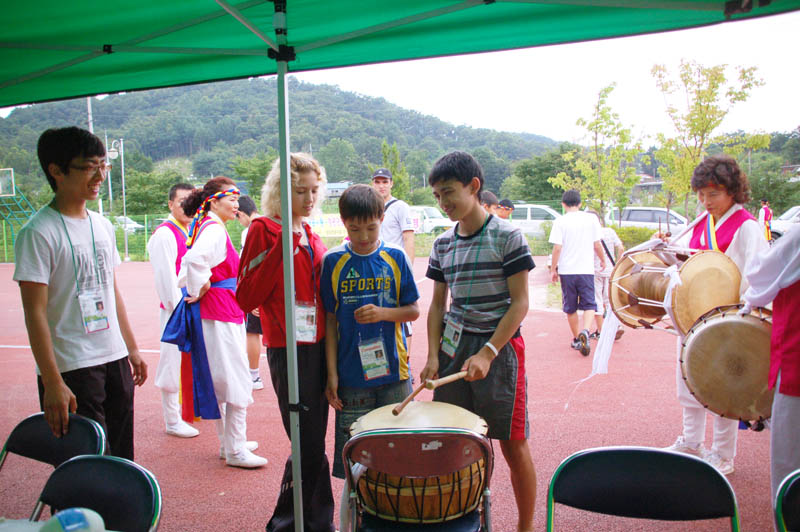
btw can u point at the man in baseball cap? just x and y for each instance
(505, 208)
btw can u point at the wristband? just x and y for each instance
(492, 348)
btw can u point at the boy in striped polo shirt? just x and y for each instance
(484, 263)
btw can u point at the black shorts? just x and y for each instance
(253, 325)
(577, 292)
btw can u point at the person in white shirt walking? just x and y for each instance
(576, 239)
(612, 247)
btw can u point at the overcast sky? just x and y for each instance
(545, 90)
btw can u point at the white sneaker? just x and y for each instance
(723, 465)
(246, 459)
(681, 446)
(249, 445)
(258, 384)
(182, 429)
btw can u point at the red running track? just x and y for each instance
(633, 405)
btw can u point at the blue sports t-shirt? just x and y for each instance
(350, 281)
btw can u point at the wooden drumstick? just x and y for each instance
(399, 408)
(445, 380)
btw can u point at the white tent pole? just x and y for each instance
(288, 281)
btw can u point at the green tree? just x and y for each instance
(421, 196)
(254, 170)
(768, 180)
(341, 161)
(697, 103)
(495, 169)
(146, 193)
(529, 180)
(605, 171)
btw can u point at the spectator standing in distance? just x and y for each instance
(505, 209)
(576, 240)
(166, 248)
(247, 213)
(483, 262)
(765, 219)
(489, 202)
(74, 312)
(612, 247)
(396, 227)
(775, 276)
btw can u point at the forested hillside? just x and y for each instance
(220, 126)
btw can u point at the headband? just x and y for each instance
(194, 229)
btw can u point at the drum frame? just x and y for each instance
(419, 454)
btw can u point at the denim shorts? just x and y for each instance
(359, 401)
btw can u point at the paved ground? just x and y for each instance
(634, 404)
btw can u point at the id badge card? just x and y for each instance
(93, 311)
(305, 320)
(374, 361)
(451, 335)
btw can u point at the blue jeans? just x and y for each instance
(357, 402)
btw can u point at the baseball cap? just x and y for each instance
(507, 204)
(382, 172)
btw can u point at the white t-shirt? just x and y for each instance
(576, 232)
(611, 240)
(396, 219)
(44, 255)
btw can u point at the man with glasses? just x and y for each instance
(74, 313)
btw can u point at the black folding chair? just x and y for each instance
(787, 504)
(32, 438)
(126, 495)
(643, 483)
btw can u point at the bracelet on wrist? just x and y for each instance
(492, 348)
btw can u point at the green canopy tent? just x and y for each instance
(54, 50)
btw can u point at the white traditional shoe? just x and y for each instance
(182, 429)
(680, 446)
(244, 458)
(249, 445)
(258, 384)
(723, 465)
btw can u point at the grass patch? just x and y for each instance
(554, 295)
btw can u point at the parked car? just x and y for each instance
(650, 217)
(529, 217)
(785, 221)
(428, 219)
(127, 224)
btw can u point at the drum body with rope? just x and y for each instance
(639, 287)
(725, 362)
(430, 499)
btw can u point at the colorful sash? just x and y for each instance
(718, 238)
(185, 329)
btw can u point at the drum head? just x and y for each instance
(420, 414)
(709, 279)
(621, 281)
(725, 363)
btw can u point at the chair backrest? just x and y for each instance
(126, 495)
(787, 503)
(642, 482)
(32, 438)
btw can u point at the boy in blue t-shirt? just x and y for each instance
(368, 291)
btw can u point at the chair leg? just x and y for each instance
(37, 511)
(487, 510)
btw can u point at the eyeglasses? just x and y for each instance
(91, 169)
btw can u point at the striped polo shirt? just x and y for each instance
(476, 269)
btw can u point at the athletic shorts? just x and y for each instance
(577, 293)
(253, 324)
(501, 398)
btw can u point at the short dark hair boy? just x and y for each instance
(457, 165)
(571, 198)
(61, 145)
(360, 202)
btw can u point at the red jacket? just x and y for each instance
(260, 283)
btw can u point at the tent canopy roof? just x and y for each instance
(55, 49)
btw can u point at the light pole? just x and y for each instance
(118, 150)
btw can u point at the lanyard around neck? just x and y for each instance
(72, 249)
